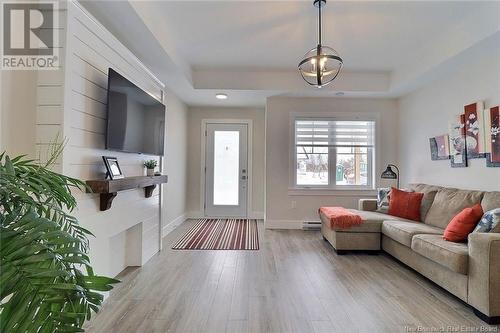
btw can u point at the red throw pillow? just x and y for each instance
(463, 223)
(405, 204)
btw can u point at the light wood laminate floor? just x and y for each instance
(294, 283)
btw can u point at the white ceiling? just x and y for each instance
(250, 49)
(276, 34)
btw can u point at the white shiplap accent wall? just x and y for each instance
(128, 233)
(49, 92)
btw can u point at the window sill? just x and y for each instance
(332, 192)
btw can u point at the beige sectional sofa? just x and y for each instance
(470, 271)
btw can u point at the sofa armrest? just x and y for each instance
(484, 273)
(368, 205)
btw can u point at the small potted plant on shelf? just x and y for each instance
(150, 167)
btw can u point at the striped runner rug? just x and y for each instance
(220, 234)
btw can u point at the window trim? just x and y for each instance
(294, 189)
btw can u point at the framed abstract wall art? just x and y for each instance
(440, 147)
(473, 134)
(492, 136)
(474, 130)
(458, 151)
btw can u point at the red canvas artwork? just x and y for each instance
(474, 130)
(494, 133)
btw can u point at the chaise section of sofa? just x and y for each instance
(470, 271)
(364, 237)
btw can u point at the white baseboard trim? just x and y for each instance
(256, 215)
(173, 224)
(194, 215)
(283, 224)
(200, 215)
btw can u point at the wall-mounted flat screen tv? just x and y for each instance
(136, 120)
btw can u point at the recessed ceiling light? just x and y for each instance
(221, 96)
(339, 93)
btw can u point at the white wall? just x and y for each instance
(196, 115)
(427, 112)
(174, 196)
(71, 101)
(279, 200)
(18, 118)
(128, 233)
(31, 104)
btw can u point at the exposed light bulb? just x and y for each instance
(322, 63)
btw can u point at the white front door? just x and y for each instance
(226, 172)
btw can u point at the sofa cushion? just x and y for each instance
(405, 204)
(427, 201)
(383, 197)
(425, 188)
(454, 256)
(403, 232)
(491, 200)
(429, 192)
(490, 222)
(463, 224)
(448, 203)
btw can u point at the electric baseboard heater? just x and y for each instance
(311, 225)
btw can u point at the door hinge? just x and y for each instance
(205, 169)
(205, 132)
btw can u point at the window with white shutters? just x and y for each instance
(333, 153)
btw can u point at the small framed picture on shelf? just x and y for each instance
(113, 168)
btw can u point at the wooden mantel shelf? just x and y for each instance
(108, 189)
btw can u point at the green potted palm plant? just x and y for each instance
(46, 281)
(150, 167)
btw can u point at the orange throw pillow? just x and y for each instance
(463, 224)
(405, 204)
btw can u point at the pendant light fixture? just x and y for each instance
(321, 65)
